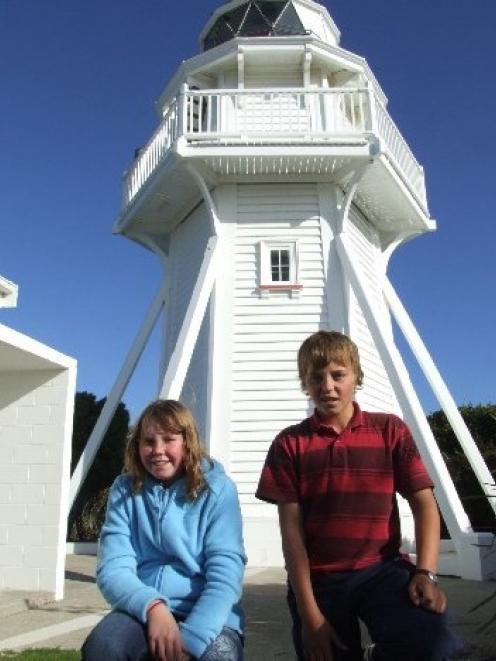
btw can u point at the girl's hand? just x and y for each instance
(164, 639)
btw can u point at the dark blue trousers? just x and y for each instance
(120, 637)
(378, 596)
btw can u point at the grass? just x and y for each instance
(42, 655)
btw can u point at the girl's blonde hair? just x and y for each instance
(174, 417)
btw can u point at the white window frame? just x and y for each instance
(266, 281)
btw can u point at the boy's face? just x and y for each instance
(332, 389)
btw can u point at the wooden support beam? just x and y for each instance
(186, 340)
(113, 399)
(442, 393)
(454, 515)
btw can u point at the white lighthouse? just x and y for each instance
(274, 191)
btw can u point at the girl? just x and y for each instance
(171, 557)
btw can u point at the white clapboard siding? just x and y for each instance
(188, 244)
(264, 403)
(377, 393)
(257, 77)
(268, 330)
(305, 327)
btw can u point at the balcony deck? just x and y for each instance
(233, 134)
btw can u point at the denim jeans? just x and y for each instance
(120, 637)
(378, 596)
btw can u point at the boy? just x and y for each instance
(334, 478)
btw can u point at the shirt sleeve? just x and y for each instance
(116, 573)
(223, 570)
(279, 479)
(410, 473)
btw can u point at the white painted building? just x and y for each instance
(274, 190)
(37, 388)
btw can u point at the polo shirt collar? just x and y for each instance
(316, 424)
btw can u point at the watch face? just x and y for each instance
(430, 574)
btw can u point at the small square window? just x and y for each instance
(279, 265)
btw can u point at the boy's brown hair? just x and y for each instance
(171, 416)
(323, 347)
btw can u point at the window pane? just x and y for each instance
(254, 24)
(271, 10)
(235, 18)
(220, 33)
(280, 264)
(289, 22)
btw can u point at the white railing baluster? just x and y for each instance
(401, 153)
(288, 115)
(352, 112)
(361, 111)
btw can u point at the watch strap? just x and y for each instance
(432, 576)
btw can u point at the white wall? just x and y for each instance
(377, 393)
(37, 387)
(188, 244)
(267, 331)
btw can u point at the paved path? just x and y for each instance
(29, 620)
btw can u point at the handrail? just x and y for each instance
(149, 156)
(287, 115)
(411, 170)
(279, 112)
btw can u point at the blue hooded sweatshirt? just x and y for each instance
(155, 544)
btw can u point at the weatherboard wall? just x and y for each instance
(187, 248)
(268, 328)
(377, 393)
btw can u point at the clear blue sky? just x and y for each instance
(78, 82)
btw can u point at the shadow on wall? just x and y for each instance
(16, 387)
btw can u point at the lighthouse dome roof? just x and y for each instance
(268, 18)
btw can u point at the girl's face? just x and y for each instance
(161, 452)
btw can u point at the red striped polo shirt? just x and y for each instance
(345, 484)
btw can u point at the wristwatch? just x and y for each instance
(427, 572)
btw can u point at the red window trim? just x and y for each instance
(287, 287)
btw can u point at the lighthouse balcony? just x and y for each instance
(233, 134)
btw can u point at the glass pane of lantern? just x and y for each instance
(271, 10)
(235, 18)
(254, 24)
(289, 22)
(219, 33)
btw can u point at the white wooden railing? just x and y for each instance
(149, 156)
(287, 114)
(281, 116)
(401, 154)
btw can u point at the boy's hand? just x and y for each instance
(164, 639)
(426, 594)
(318, 638)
